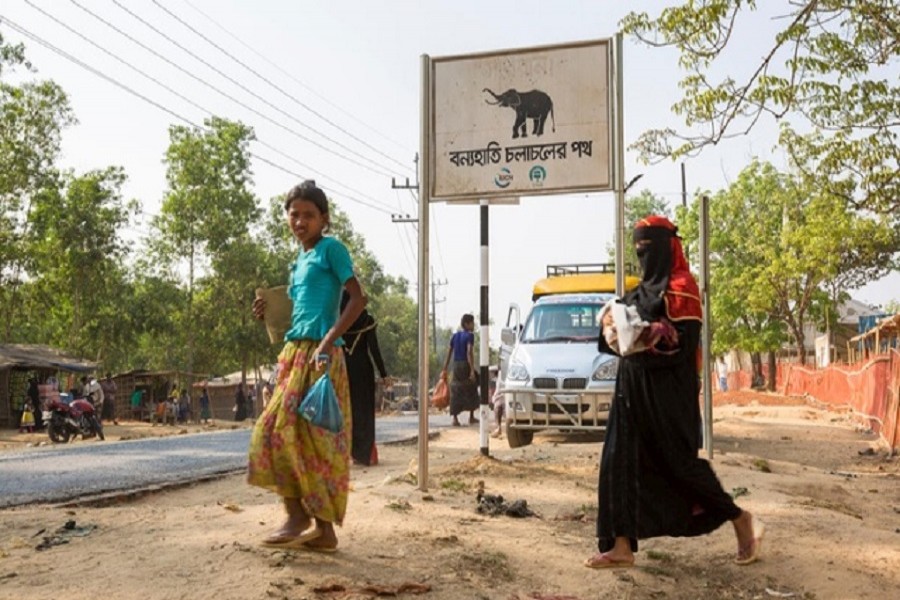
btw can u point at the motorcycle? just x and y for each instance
(68, 420)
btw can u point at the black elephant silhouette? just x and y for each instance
(535, 105)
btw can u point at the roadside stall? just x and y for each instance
(155, 386)
(53, 368)
(222, 391)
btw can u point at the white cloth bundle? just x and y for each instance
(623, 336)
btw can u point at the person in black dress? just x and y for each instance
(360, 351)
(652, 481)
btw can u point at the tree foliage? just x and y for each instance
(33, 114)
(205, 220)
(828, 76)
(75, 252)
(776, 247)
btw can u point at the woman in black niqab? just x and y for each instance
(652, 482)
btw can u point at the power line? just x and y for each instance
(21, 30)
(386, 171)
(275, 86)
(178, 94)
(294, 79)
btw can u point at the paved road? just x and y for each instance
(62, 472)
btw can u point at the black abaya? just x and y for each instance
(652, 483)
(360, 349)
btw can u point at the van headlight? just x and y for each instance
(606, 371)
(517, 372)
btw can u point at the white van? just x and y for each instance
(553, 376)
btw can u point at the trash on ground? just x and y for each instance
(230, 506)
(777, 594)
(494, 505)
(738, 492)
(63, 534)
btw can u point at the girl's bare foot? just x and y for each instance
(327, 540)
(297, 523)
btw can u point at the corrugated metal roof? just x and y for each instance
(38, 356)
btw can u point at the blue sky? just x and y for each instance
(356, 63)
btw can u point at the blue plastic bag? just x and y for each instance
(320, 406)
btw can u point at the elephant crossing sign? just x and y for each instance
(521, 122)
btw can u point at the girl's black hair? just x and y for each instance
(307, 191)
(466, 318)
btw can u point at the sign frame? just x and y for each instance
(438, 195)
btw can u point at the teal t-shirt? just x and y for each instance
(315, 284)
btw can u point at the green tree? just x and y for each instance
(33, 114)
(768, 271)
(75, 258)
(208, 205)
(828, 76)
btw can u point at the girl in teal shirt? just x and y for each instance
(309, 467)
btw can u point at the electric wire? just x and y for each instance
(381, 170)
(294, 79)
(274, 85)
(183, 97)
(206, 83)
(22, 31)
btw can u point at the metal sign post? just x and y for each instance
(618, 150)
(484, 350)
(706, 334)
(424, 260)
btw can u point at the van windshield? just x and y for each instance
(562, 323)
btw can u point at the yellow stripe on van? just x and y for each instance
(580, 284)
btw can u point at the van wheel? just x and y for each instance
(518, 437)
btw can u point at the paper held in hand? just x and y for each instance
(623, 336)
(278, 311)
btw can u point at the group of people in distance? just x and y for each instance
(652, 481)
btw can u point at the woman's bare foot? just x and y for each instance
(620, 556)
(603, 560)
(749, 532)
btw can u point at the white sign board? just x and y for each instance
(521, 122)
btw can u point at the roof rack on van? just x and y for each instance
(581, 279)
(580, 269)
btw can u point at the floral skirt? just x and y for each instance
(293, 457)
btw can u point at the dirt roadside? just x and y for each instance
(830, 499)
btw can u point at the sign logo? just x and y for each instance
(537, 174)
(503, 178)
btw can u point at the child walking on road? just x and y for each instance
(309, 467)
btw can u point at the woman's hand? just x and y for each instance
(387, 381)
(322, 355)
(259, 308)
(472, 374)
(607, 319)
(661, 331)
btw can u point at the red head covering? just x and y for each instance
(666, 273)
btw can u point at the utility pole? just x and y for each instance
(683, 187)
(434, 302)
(407, 185)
